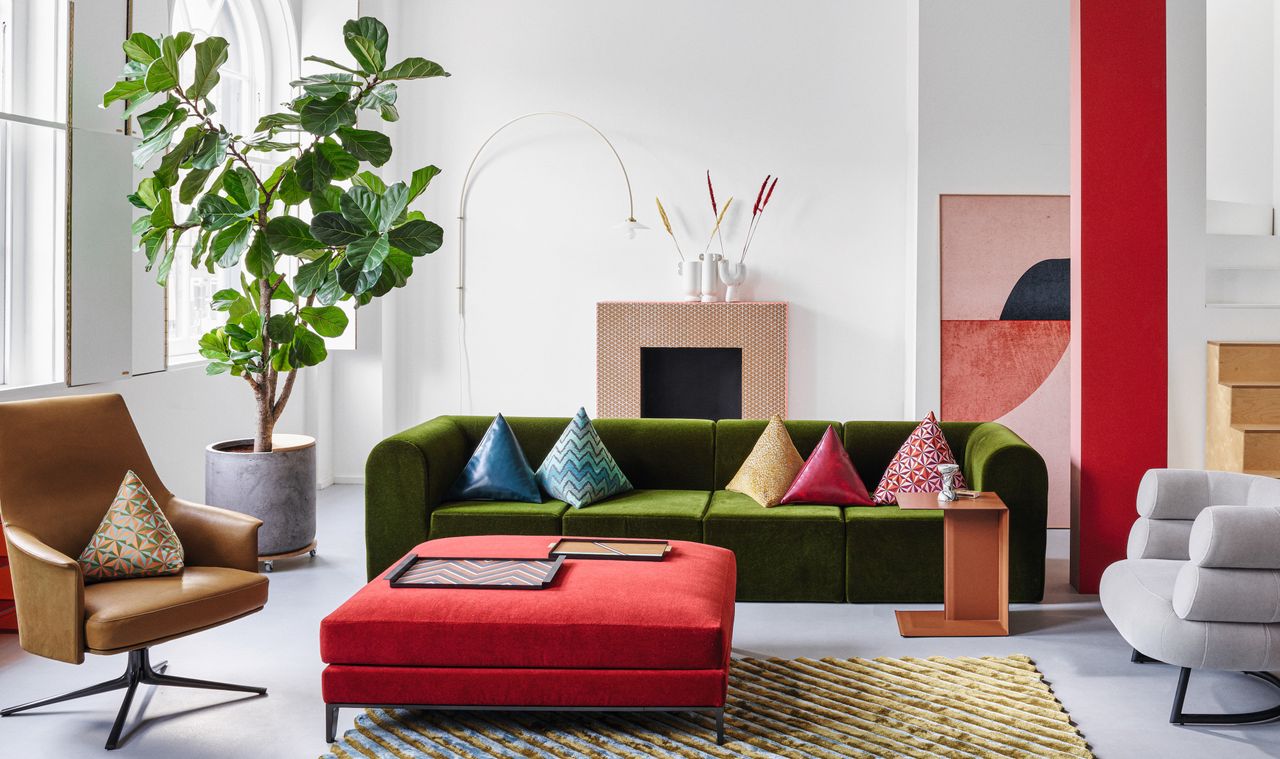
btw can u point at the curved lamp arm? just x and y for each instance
(464, 368)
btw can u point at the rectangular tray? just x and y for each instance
(487, 572)
(617, 549)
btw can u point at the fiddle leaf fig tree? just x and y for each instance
(303, 233)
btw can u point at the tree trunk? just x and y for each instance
(266, 388)
(266, 423)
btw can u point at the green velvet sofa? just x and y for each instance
(680, 467)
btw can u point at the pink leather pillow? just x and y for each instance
(829, 477)
(914, 468)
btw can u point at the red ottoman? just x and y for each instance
(605, 636)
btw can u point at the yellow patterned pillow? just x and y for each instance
(772, 466)
(134, 539)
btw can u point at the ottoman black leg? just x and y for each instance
(720, 726)
(330, 722)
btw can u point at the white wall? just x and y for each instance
(995, 115)
(1240, 39)
(818, 93)
(1191, 250)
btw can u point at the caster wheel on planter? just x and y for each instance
(313, 553)
(269, 566)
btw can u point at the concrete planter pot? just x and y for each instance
(277, 487)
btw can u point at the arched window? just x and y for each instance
(261, 61)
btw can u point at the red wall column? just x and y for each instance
(1119, 272)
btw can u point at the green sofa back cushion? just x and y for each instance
(736, 437)
(536, 434)
(662, 454)
(872, 445)
(658, 454)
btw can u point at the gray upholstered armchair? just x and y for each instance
(1201, 586)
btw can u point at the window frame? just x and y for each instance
(271, 68)
(9, 115)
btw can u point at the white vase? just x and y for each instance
(733, 275)
(690, 279)
(709, 294)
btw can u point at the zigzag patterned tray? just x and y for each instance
(502, 574)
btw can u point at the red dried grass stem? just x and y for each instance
(762, 200)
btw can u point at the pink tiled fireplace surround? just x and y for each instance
(759, 329)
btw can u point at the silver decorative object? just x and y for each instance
(948, 472)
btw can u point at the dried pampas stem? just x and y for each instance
(667, 223)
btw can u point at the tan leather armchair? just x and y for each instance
(61, 463)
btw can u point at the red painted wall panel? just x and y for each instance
(1119, 315)
(8, 620)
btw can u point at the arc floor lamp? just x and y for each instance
(629, 226)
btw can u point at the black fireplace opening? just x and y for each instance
(691, 383)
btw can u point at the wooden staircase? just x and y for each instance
(1243, 423)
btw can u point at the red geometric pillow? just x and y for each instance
(914, 468)
(829, 477)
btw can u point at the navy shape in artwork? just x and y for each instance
(1043, 292)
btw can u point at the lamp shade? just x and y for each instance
(630, 227)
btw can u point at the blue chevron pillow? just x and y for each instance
(579, 470)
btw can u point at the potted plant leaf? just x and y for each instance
(314, 229)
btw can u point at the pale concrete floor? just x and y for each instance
(1121, 707)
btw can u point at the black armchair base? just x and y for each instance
(1179, 717)
(139, 672)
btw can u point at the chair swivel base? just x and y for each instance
(1179, 717)
(139, 672)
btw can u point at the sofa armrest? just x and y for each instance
(997, 460)
(1236, 537)
(214, 537)
(1159, 539)
(48, 589)
(406, 477)
(1184, 493)
(1208, 594)
(1233, 571)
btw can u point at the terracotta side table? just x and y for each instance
(976, 557)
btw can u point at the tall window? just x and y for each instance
(254, 80)
(33, 190)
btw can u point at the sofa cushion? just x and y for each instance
(771, 466)
(829, 477)
(736, 437)
(893, 555)
(670, 514)
(872, 445)
(497, 518)
(129, 613)
(787, 553)
(670, 614)
(133, 540)
(579, 469)
(914, 468)
(1137, 595)
(662, 454)
(536, 434)
(497, 470)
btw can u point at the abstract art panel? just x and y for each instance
(1006, 329)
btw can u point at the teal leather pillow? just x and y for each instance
(497, 471)
(579, 470)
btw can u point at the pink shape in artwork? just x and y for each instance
(1039, 421)
(989, 367)
(989, 242)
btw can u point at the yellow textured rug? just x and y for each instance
(935, 707)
